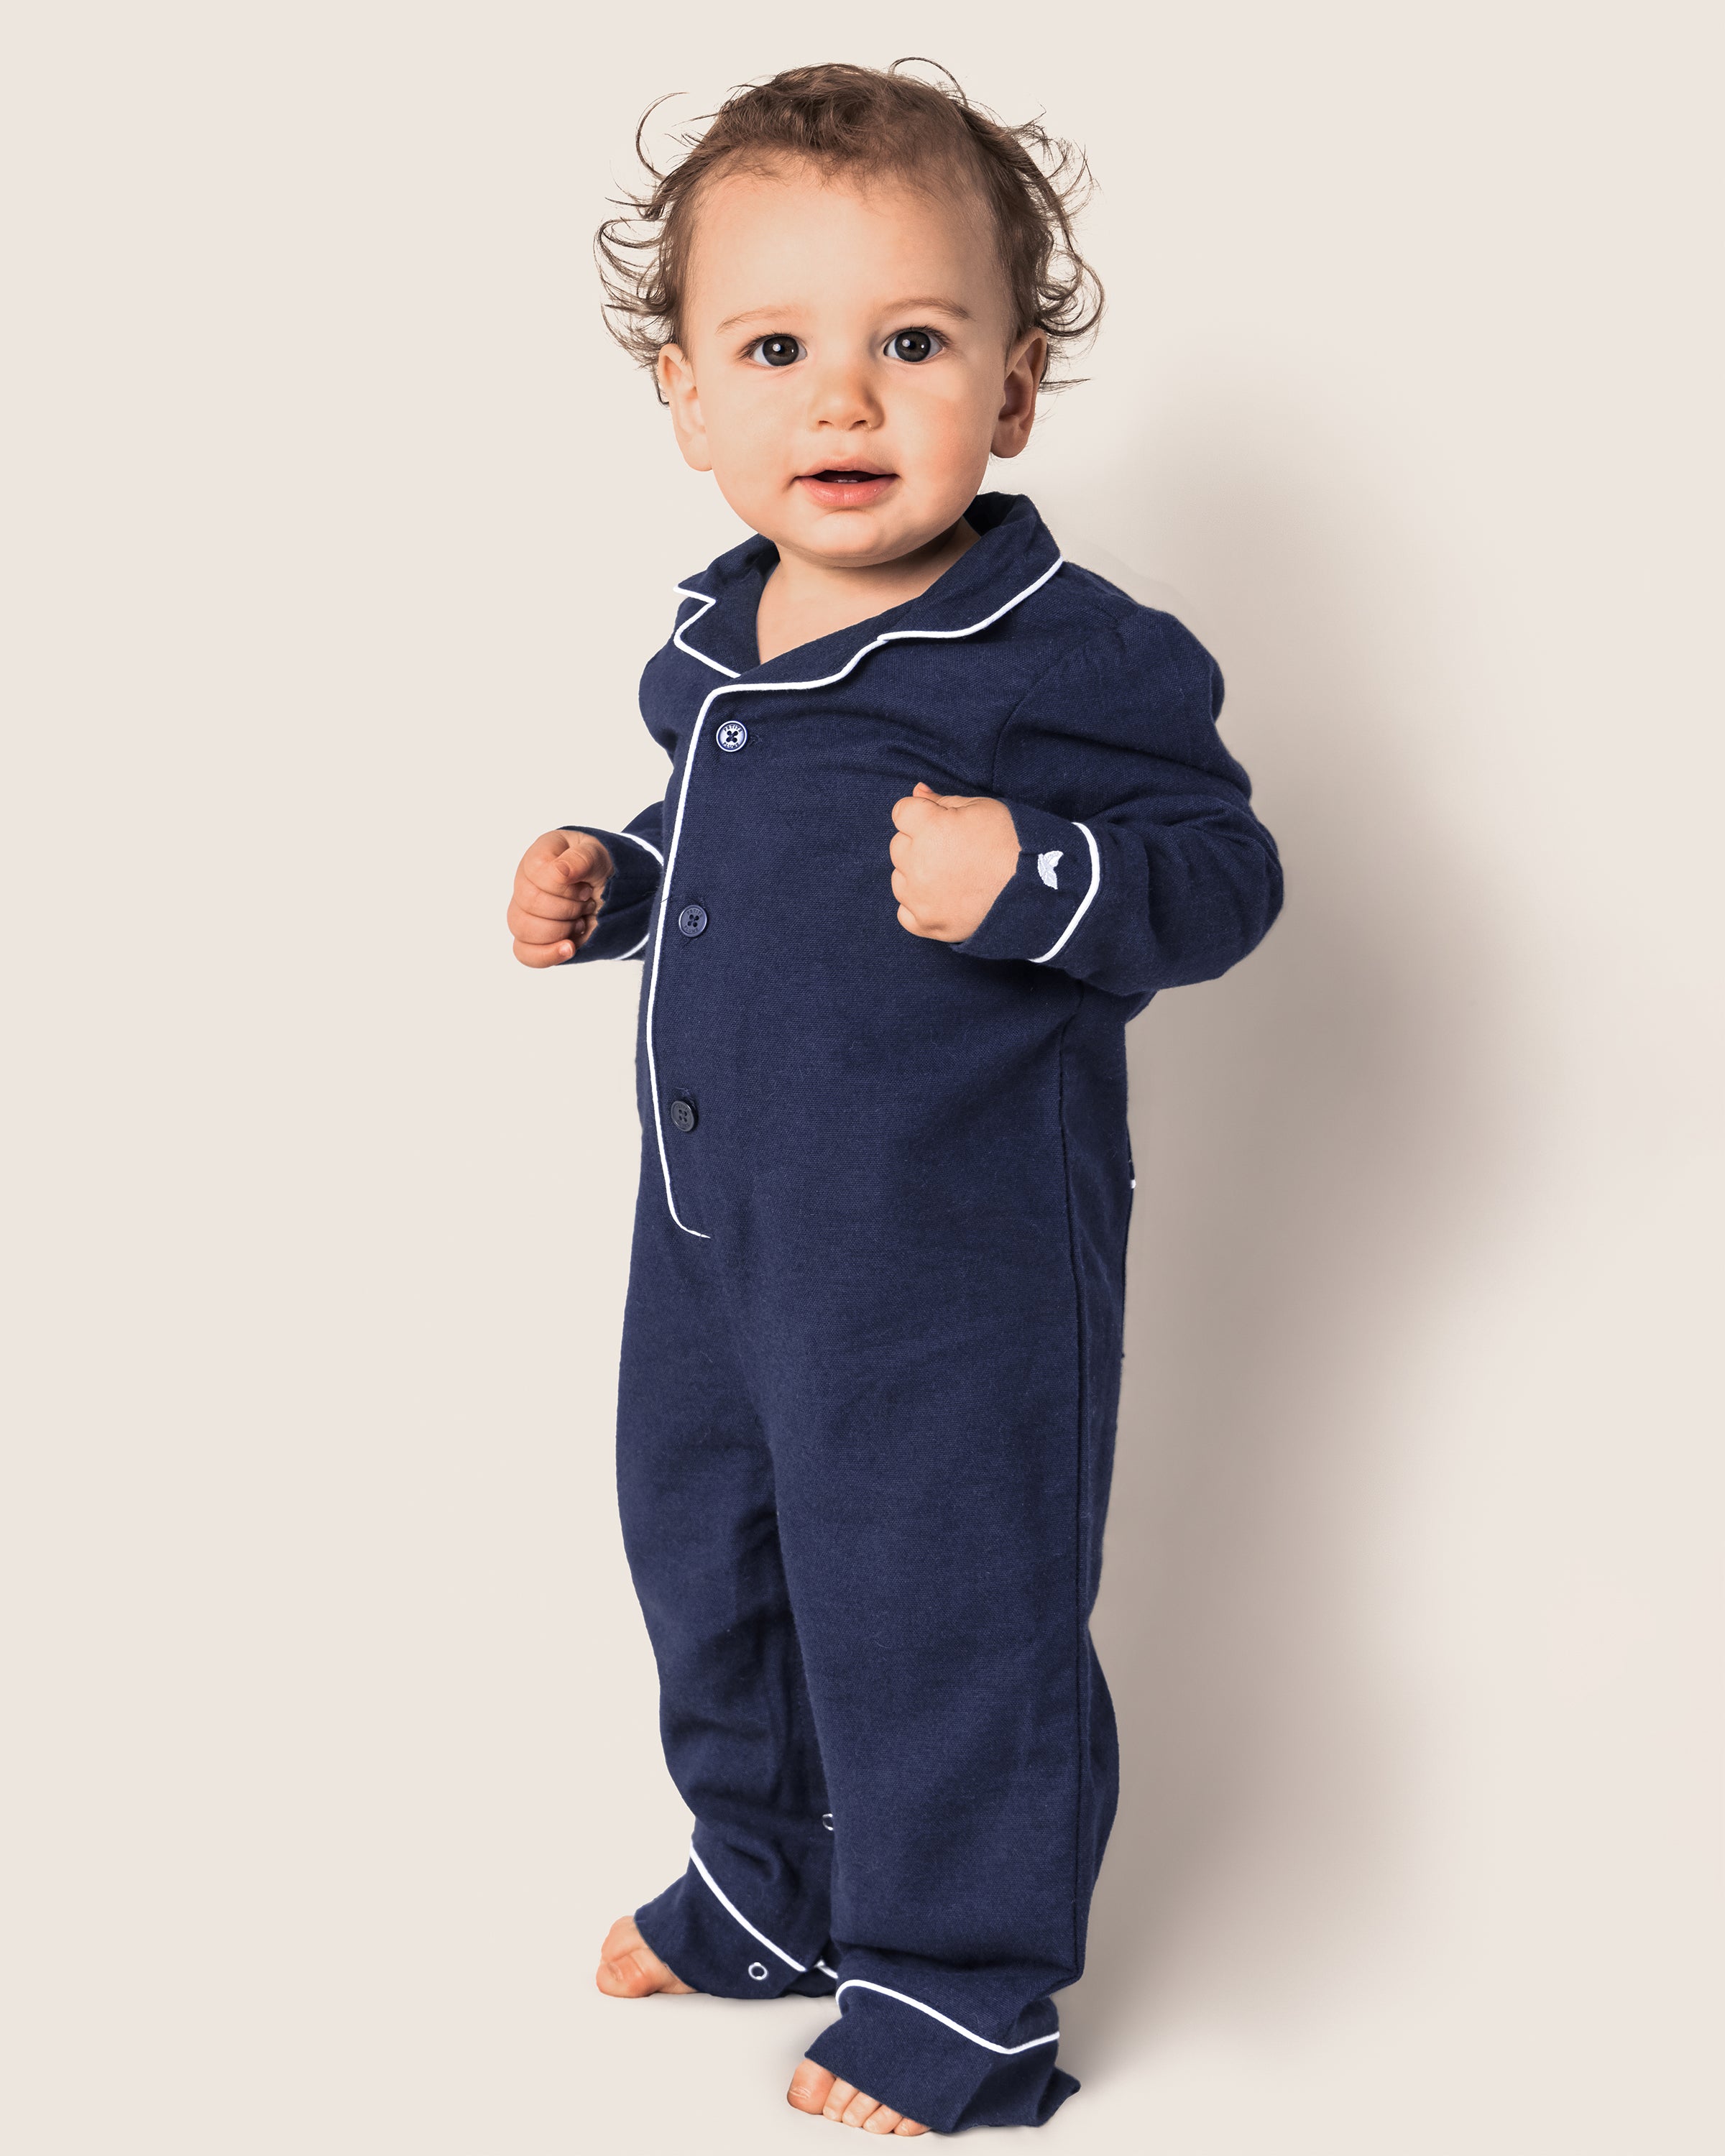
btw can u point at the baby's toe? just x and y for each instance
(882, 2119)
(838, 2096)
(621, 1977)
(622, 1935)
(859, 2108)
(810, 2087)
(628, 1968)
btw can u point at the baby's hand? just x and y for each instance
(953, 856)
(557, 896)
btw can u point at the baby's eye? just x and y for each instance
(776, 350)
(914, 345)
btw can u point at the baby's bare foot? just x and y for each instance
(628, 1968)
(814, 2089)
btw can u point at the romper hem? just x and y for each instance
(946, 2081)
(698, 1939)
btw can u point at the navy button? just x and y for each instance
(692, 919)
(731, 735)
(683, 1115)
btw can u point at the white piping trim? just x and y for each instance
(1006, 2050)
(646, 846)
(825, 1970)
(684, 591)
(1096, 879)
(725, 1902)
(736, 686)
(653, 977)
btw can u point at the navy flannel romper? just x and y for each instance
(871, 1352)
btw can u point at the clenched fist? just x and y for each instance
(557, 896)
(953, 856)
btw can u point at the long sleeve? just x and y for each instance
(626, 904)
(1141, 864)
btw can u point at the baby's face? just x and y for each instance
(849, 364)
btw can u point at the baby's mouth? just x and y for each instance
(846, 486)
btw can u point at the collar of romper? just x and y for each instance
(1014, 552)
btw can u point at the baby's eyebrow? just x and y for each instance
(752, 314)
(930, 300)
(895, 307)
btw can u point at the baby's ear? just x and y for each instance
(1025, 365)
(676, 382)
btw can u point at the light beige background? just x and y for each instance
(336, 537)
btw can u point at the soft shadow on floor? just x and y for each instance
(1312, 1157)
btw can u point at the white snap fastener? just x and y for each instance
(731, 735)
(757, 1969)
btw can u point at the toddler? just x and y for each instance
(944, 813)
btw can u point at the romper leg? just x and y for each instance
(941, 1517)
(749, 1919)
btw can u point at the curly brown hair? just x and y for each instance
(866, 121)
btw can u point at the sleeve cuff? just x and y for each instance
(1059, 873)
(626, 902)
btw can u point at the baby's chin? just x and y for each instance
(861, 538)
